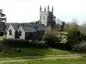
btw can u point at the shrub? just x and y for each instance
(50, 39)
(74, 37)
(80, 47)
(14, 43)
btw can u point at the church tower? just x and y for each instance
(47, 17)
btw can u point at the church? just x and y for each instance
(32, 31)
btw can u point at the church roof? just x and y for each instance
(29, 29)
(16, 25)
(41, 27)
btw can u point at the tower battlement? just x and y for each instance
(46, 16)
(46, 9)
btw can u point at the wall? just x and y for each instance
(22, 34)
(13, 33)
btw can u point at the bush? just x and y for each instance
(50, 39)
(3, 46)
(14, 43)
(80, 47)
(74, 37)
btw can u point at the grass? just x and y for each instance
(54, 61)
(34, 52)
(30, 49)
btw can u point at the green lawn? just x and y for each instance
(33, 52)
(55, 61)
(36, 53)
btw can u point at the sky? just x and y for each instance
(28, 10)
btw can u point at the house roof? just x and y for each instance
(16, 25)
(41, 27)
(29, 29)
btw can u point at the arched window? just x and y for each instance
(20, 32)
(10, 32)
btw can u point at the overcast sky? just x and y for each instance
(28, 10)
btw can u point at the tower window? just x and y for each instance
(40, 17)
(10, 32)
(43, 17)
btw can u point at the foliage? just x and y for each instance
(2, 45)
(50, 38)
(82, 28)
(69, 26)
(16, 43)
(80, 47)
(2, 23)
(62, 26)
(75, 37)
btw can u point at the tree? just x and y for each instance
(82, 28)
(74, 36)
(37, 22)
(62, 26)
(2, 22)
(50, 38)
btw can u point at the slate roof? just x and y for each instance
(29, 29)
(41, 27)
(16, 25)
